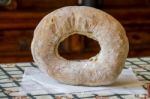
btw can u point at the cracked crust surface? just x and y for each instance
(87, 21)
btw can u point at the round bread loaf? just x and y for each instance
(102, 69)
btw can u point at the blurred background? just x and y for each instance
(18, 19)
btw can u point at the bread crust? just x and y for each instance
(93, 23)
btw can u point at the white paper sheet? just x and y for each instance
(36, 82)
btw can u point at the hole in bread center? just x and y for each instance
(78, 47)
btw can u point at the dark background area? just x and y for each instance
(18, 19)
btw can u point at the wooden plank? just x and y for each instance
(125, 3)
(78, 56)
(131, 16)
(139, 53)
(14, 59)
(139, 36)
(45, 4)
(76, 43)
(17, 20)
(7, 25)
(15, 40)
(23, 15)
(20, 20)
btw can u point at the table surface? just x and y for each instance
(11, 75)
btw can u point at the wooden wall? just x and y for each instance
(19, 18)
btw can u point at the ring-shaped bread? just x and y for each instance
(93, 23)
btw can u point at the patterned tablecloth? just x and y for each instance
(11, 75)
